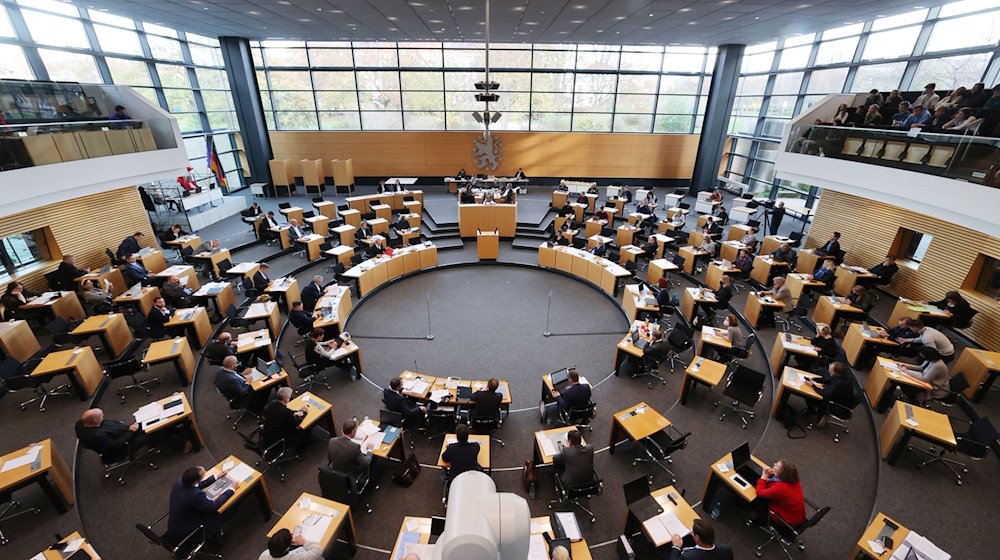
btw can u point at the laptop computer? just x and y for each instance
(641, 344)
(464, 392)
(268, 368)
(639, 500)
(743, 465)
(437, 527)
(559, 378)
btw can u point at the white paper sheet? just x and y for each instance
(367, 428)
(241, 472)
(421, 550)
(315, 532)
(569, 524)
(148, 412)
(420, 386)
(439, 394)
(537, 549)
(657, 532)
(16, 462)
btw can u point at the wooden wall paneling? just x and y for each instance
(868, 229)
(82, 227)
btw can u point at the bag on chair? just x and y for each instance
(408, 472)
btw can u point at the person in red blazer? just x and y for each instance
(779, 485)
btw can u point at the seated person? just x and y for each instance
(282, 423)
(650, 247)
(217, 350)
(779, 486)
(100, 300)
(705, 547)
(261, 280)
(190, 507)
(520, 174)
(236, 388)
(130, 245)
(363, 232)
(860, 298)
(934, 371)
(915, 119)
(784, 253)
(575, 463)
(567, 209)
(873, 117)
(725, 292)
(827, 273)
(486, 402)
(930, 338)
(744, 262)
(462, 174)
(295, 231)
(716, 196)
(377, 246)
(575, 395)
(709, 247)
(823, 344)
(570, 223)
(177, 296)
(158, 318)
(733, 333)
(885, 270)
(312, 292)
(956, 307)
(831, 247)
(67, 273)
(560, 239)
(836, 388)
(781, 294)
(599, 249)
(723, 216)
(750, 239)
(349, 457)
(961, 122)
(320, 353)
(392, 397)
(112, 440)
(901, 330)
(301, 319)
(644, 208)
(15, 296)
(134, 272)
(280, 546)
(902, 114)
(463, 455)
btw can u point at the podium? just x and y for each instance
(343, 175)
(488, 244)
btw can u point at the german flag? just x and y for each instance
(213, 162)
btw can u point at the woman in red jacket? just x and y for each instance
(779, 485)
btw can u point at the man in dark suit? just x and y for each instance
(217, 350)
(576, 395)
(347, 456)
(599, 249)
(134, 272)
(837, 388)
(176, 294)
(486, 402)
(312, 292)
(777, 214)
(392, 397)
(885, 270)
(158, 318)
(130, 245)
(282, 423)
(236, 388)
(363, 232)
(67, 273)
(575, 464)
(190, 507)
(112, 440)
(301, 319)
(831, 247)
(784, 253)
(260, 279)
(320, 354)
(463, 455)
(704, 547)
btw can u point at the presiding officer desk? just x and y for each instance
(475, 217)
(376, 271)
(585, 265)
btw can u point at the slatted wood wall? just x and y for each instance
(82, 227)
(541, 154)
(868, 229)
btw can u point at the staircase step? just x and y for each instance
(526, 243)
(449, 243)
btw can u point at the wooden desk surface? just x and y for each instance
(872, 533)
(51, 462)
(794, 380)
(173, 420)
(418, 525)
(749, 493)
(547, 459)
(251, 340)
(81, 361)
(930, 423)
(408, 375)
(317, 408)
(280, 378)
(18, 341)
(50, 554)
(484, 449)
(713, 336)
(296, 515)
(642, 424)
(708, 371)
(245, 485)
(579, 550)
(682, 509)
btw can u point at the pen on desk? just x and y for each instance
(671, 498)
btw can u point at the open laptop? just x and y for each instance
(437, 527)
(744, 466)
(268, 368)
(559, 378)
(639, 500)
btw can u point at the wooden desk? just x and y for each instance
(845, 278)
(420, 526)
(872, 533)
(18, 341)
(219, 294)
(79, 364)
(695, 238)
(548, 387)
(797, 283)
(376, 271)
(701, 372)
(319, 412)
(292, 213)
(332, 309)
(737, 232)
(113, 276)
(896, 431)
(593, 239)
(754, 305)
(798, 345)
(267, 311)
(145, 300)
(488, 245)
(730, 250)
(808, 261)
(327, 208)
(252, 484)
(484, 450)
(830, 309)
(312, 242)
(543, 456)
(501, 217)
(181, 271)
(715, 272)
(441, 384)
(855, 342)
(693, 297)
(633, 302)
(176, 350)
(626, 347)
(772, 242)
(717, 477)
(66, 306)
(392, 451)
(578, 550)
(413, 219)
(50, 554)
(252, 342)
(186, 417)
(51, 469)
(195, 321)
(113, 330)
(383, 211)
(981, 368)
(713, 337)
(883, 377)
(625, 235)
(307, 505)
(583, 264)
(592, 227)
(153, 262)
(283, 238)
(658, 268)
(762, 269)
(342, 253)
(189, 240)
(213, 258)
(243, 270)
(351, 217)
(269, 382)
(690, 254)
(912, 309)
(635, 423)
(320, 225)
(793, 382)
(678, 507)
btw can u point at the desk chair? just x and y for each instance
(310, 375)
(340, 487)
(113, 258)
(740, 353)
(579, 243)
(113, 463)
(787, 320)
(579, 416)
(316, 200)
(487, 426)
(248, 288)
(681, 340)
(786, 535)
(956, 385)
(188, 548)
(575, 494)
(234, 319)
(386, 416)
(744, 387)
(235, 407)
(795, 239)
(659, 446)
(59, 329)
(440, 422)
(17, 376)
(274, 455)
(974, 443)
(128, 366)
(836, 416)
(8, 512)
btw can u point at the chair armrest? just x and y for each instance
(199, 529)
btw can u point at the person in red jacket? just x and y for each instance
(779, 485)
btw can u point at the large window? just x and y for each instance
(430, 86)
(21, 251)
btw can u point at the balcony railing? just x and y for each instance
(974, 159)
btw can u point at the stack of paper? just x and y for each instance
(662, 526)
(366, 429)
(537, 549)
(241, 472)
(439, 394)
(149, 412)
(314, 527)
(23, 460)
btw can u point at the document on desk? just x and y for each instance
(548, 448)
(421, 550)
(241, 472)
(569, 524)
(438, 395)
(420, 386)
(314, 527)
(923, 548)
(256, 309)
(149, 412)
(537, 550)
(662, 526)
(366, 429)
(30, 457)
(405, 540)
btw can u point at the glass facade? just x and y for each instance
(181, 72)
(429, 86)
(952, 45)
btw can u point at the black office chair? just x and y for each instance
(234, 319)
(744, 387)
(118, 463)
(974, 443)
(487, 426)
(440, 422)
(128, 366)
(8, 513)
(575, 494)
(956, 385)
(795, 239)
(391, 418)
(59, 331)
(310, 376)
(787, 320)
(680, 340)
(660, 446)
(316, 200)
(188, 548)
(284, 205)
(340, 487)
(248, 288)
(240, 409)
(579, 416)
(274, 455)
(17, 377)
(785, 535)
(114, 260)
